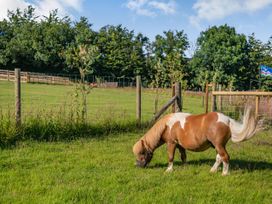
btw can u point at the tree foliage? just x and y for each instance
(223, 53)
(54, 44)
(169, 50)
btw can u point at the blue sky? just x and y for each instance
(152, 17)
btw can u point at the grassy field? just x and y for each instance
(100, 168)
(119, 103)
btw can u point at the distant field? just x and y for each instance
(101, 170)
(102, 103)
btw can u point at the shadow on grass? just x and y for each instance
(235, 164)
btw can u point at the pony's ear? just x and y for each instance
(138, 147)
(143, 145)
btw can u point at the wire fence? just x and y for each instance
(69, 79)
(111, 99)
(234, 103)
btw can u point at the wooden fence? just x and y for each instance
(261, 101)
(32, 77)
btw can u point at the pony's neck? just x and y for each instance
(151, 143)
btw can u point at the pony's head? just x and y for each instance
(143, 153)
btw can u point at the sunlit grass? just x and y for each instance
(101, 170)
(92, 162)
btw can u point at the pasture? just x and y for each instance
(99, 168)
(119, 102)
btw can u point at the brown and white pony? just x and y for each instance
(196, 133)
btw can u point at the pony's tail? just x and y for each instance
(244, 131)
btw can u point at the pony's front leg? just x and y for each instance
(182, 153)
(171, 147)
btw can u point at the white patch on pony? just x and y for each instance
(177, 117)
(170, 167)
(225, 169)
(217, 163)
(223, 119)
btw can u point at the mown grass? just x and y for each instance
(92, 161)
(101, 170)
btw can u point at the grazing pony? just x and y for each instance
(196, 133)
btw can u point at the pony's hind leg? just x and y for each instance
(225, 158)
(182, 153)
(217, 163)
(171, 147)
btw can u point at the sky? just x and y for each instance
(152, 17)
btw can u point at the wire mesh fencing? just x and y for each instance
(234, 105)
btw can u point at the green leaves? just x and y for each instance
(53, 44)
(222, 54)
(81, 57)
(169, 58)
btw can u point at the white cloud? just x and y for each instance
(151, 7)
(217, 9)
(43, 7)
(167, 8)
(11, 5)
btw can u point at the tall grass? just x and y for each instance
(49, 125)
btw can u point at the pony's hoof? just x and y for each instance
(169, 170)
(213, 170)
(225, 174)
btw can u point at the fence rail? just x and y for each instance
(241, 93)
(32, 77)
(68, 79)
(228, 100)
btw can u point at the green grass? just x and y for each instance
(101, 170)
(52, 112)
(97, 165)
(102, 103)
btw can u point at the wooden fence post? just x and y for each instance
(220, 98)
(207, 98)
(138, 99)
(8, 75)
(173, 94)
(178, 102)
(163, 109)
(257, 102)
(213, 101)
(17, 96)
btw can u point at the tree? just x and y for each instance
(170, 50)
(82, 55)
(267, 60)
(256, 57)
(224, 55)
(122, 53)
(17, 38)
(52, 36)
(34, 45)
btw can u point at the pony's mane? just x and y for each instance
(153, 136)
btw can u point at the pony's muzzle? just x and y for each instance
(140, 164)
